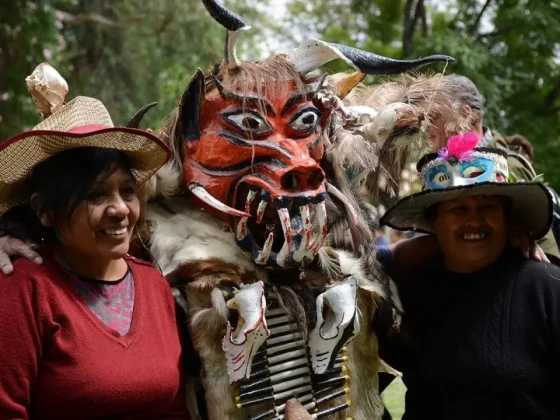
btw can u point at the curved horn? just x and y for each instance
(314, 53)
(189, 110)
(200, 192)
(136, 119)
(233, 23)
(344, 83)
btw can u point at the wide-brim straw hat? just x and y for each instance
(463, 170)
(82, 122)
(531, 204)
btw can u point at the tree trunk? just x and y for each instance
(415, 10)
(476, 23)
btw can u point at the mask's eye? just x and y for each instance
(472, 172)
(306, 120)
(249, 121)
(440, 178)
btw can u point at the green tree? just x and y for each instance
(125, 53)
(509, 48)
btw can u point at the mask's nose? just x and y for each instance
(301, 179)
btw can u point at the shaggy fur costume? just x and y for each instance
(200, 257)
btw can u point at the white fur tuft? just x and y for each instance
(188, 234)
(352, 266)
(166, 183)
(219, 303)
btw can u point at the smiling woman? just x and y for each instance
(91, 332)
(481, 330)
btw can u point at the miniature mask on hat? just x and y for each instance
(460, 164)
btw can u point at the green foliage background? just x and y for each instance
(126, 53)
(131, 52)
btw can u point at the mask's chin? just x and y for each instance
(277, 234)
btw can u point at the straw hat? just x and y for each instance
(82, 122)
(463, 170)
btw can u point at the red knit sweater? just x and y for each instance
(58, 361)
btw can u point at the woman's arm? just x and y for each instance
(410, 253)
(20, 343)
(407, 254)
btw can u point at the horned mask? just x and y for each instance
(252, 141)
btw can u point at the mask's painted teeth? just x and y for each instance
(260, 210)
(305, 243)
(284, 216)
(267, 248)
(250, 197)
(321, 218)
(242, 228)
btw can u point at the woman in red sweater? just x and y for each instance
(91, 332)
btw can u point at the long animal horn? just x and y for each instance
(233, 23)
(136, 119)
(314, 53)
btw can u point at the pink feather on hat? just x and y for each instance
(459, 146)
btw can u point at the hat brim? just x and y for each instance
(531, 204)
(21, 153)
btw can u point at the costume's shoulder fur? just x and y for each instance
(430, 94)
(181, 233)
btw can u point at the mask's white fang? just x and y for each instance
(242, 228)
(267, 248)
(284, 216)
(200, 192)
(250, 197)
(260, 210)
(304, 246)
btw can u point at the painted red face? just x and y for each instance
(262, 156)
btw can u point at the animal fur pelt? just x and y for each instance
(388, 122)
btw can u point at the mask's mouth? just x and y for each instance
(286, 231)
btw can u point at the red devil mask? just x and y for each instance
(254, 157)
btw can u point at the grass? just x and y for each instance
(393, 397)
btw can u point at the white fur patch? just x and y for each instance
(219, 303)
(350, 265)
(166, 183)
(190, 235)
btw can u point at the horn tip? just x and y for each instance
(441, 57)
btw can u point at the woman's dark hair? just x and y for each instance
(61, 183)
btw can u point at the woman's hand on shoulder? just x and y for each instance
(18, 248)
(520, 237)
